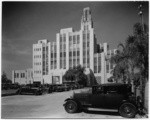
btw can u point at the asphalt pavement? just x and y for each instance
(46, 106)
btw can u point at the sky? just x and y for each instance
(24, 23)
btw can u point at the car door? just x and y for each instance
(112, 98)
(98, 98)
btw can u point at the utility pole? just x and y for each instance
(141, 15)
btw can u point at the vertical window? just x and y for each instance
(55, 55)
(84, 45)
(88, 44)
(64, 54)
(43, 48)
(60, 64)
(74, 62)
(70, 38)
(70, 62)
(74, 53)
(64, 35)
(70, 54)
(107, 67)
(99, 64)
(17, 75)
(88, 36)
(60, 39)
(74, 39)
(61, 54)
(78, 39)
(78, 53)
(84, 36)
(95, 64)
(78, 61)
(64, 64)
(51, 55)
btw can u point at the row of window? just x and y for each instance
(97, 69)
(37, 56)
(53, 55)
(37, 49)
(75, 39)
(37, 72)
(62, 38)
(74, 62)
(86, 34)
(37, 63)
(21, 75)
(74, 53)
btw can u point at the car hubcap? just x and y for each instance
(127, 110)
(70, 106)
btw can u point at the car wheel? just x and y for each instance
(71, 106)
(127, 110)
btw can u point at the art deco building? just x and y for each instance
(52, 59)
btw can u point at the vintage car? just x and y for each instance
(105, 96)
(67, 87)
(61, 88)
(31, 89)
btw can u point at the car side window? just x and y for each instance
(110, 90)
(97, 90)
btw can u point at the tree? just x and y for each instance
(121, 69)
(141, 46)
(133, 56)
(76, 74)
(5, 80)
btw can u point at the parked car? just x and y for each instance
(60, 88)
(106, 96)
(50, 89)
(67, 87)
(74, 86)
(31, 89)
(14, 86)
(54, 87)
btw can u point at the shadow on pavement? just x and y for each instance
(11, 94)
(101, 112)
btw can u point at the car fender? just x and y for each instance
(128, 101)
(78, 103)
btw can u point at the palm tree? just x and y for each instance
(133, 56)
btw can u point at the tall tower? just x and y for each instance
(86, 21)
(87, 32)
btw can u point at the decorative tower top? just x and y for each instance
(86, 21)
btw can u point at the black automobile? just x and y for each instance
(105, 96)
(31, 89)
(67, 87)
(60, 88)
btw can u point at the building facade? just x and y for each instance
(22, 76)
(52, 59)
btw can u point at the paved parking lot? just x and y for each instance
(46, 106)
